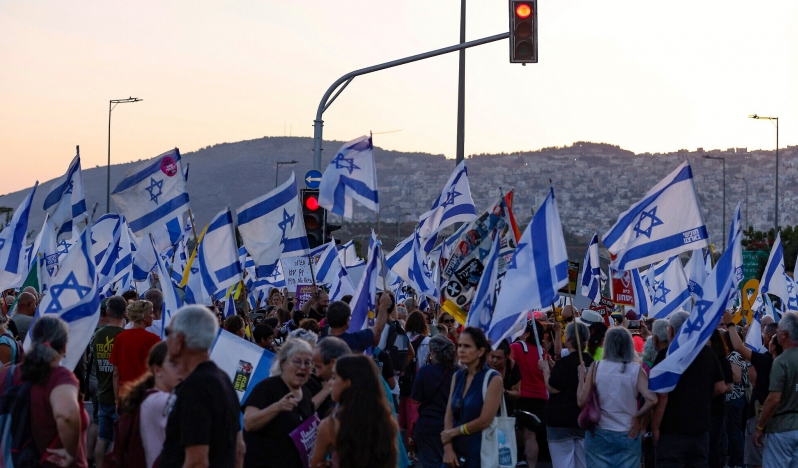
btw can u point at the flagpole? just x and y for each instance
(194, 230)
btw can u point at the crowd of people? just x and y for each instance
(415, 388)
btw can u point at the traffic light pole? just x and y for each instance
(344, 81)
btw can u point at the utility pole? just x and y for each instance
(461, 90)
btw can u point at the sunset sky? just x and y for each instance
(650, 76)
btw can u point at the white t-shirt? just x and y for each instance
(153, 415)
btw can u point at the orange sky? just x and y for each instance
(648, 76)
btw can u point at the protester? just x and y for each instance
(338, 315)
(619, 380)
(418, 333)
(277, 406)
(156, 298)
(264, 336)
(235, 325)
(130, 296)
(416, 328)
(310, 325)
(9, 349)
(682, 418)
(58, 420)
(361, 432)
(103, 342)
(132, 346)
(468, 413)
(325, 354)
(595, 342)
(735, 403)
(150, 397)
(429, 392)
(779, 417)
(565, 438)
(533, 388)
(203, 424)
(26, 308)
(716, 452)
(500, 361)
(316, 307)
(450, 323)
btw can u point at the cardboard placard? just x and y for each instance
(296, 271)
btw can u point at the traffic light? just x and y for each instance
(524, 31)
(313, 215)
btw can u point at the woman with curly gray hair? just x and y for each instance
(431, 393)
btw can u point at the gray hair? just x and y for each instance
(618, 346)
(677, 319)
(649, 351)
(197, 324)
(156, 297)
(410, 303)
(288, 350)
(443, 350)
(789, 324)
(584, 334)
(332, 348)
(660, 330)
(307, 336)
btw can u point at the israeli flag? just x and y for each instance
(348, 255)
(325, 263)
(117, 258)
(665, 223)
(342, 286)
(365, 297)
(351, 175)
(165, 237)
(45, 251)
(695, 332)
(669, 290)
(13, 267)
(247, 364)
(453, 205)
(408, 261)
(736, 230)
(774, 279)
(74, 297)
(753, 339)
(275, 280)
(591, 272)
(481, 311)
(217, 254)
(539, 268)
(65, 203)
(171, 298)
(152, 193)
(272, 227)
(695, 270)
(230, 304)
(643, 304)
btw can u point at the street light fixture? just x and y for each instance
(776, 210)
(277, 172)
(746, 198)
(111, 104)
(723, 235)
(379, 225)
(399, 222)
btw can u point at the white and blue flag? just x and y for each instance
(774, 278)
(13, 267)
(347, 254)
(245, 363)
(325, 263)
(409, 262)
(45, 251)
(695, 270)
(152, 193)
(65, 201)
(591, 272)
(453, 205)
(365, 297)
(275, 280)
(116, 260)
(481, 311)
(539, 268)
(695, 332)
(165, 237)
(272, 227)
(171, 298)
(665, 223)
(736, 230)
(351, 175)
(74, 297)
(642, 299)
(217, 254)
(342, 286)
(669, 291)
(753, 339)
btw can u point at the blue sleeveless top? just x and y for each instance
(467, 408)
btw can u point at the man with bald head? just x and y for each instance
(26, 307)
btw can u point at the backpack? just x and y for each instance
(20, 351)
(16, 439)
(409, 376)
(128, 449)
(397, 345)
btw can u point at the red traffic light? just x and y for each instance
(312, 203)
(523, 11)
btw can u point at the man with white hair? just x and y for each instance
(203, 428)
(779, 417)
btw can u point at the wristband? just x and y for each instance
(465, 430)
(760, 428)
(462, 432)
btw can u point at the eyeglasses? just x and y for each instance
(299, 364)
(449, 321)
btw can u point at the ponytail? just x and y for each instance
(49, 338)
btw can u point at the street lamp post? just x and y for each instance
(277, 172)
(746, 198)
(379, 225)
(111, 104)
(723, 235)
(776, 210)
(399, 223)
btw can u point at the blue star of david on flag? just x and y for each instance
(65, 249)
(71, 283)
(69, 187)
(662, 293)
(652, 215)
(696, 322)
(344, 163)
(284, 224)
(450, 197)
(151, 189)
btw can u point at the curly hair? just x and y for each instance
(136, 391)
(364, 416)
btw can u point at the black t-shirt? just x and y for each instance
(205, 412)
(383, 361)
(271, 446)
(762, 362)
(431, 389)
(512, 375)
(719, 401)
(562, 409)
(312, 313)
(689, 404)
(314, 386)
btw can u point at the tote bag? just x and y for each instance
(499, 449)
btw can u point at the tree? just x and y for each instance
(759, 240)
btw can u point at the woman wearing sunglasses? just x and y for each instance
(451, 326)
